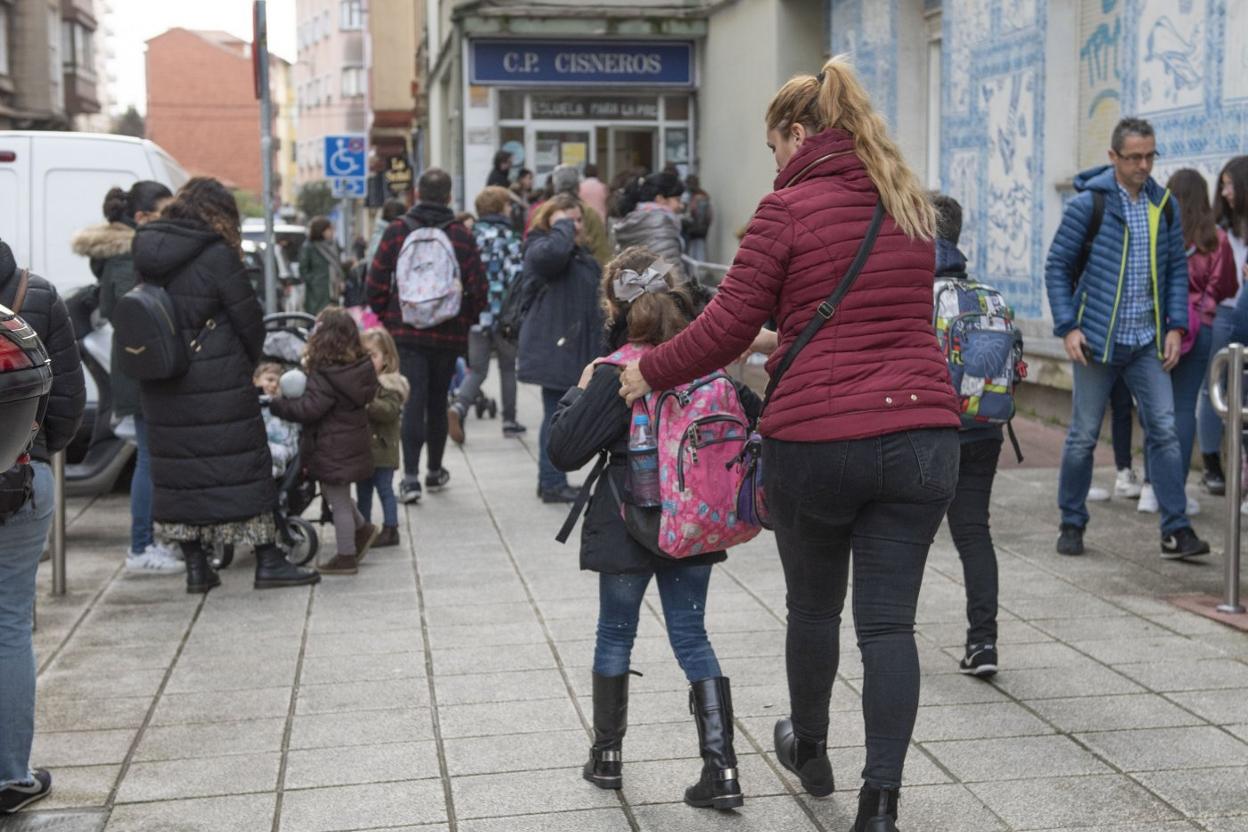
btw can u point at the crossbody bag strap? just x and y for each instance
(581, 503)
(23, 281)
(828, 308)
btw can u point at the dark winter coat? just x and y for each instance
(875, 368)
(45, 312)
(383, 295)
(209, 447)
(108, 248)
(334, 444)
(385, 419)
(562, 331)
(592, 420)
(1093, 307)
(318, 277)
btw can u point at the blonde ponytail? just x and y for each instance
(836, 98)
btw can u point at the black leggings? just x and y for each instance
(877, 502)
(429, 372)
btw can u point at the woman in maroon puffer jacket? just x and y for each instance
(860, 441)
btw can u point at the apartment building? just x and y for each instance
(47, 63)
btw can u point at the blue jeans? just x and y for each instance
(21, 542)
(1187, 378)
(1208, 424)
(383, 481)
(548, 476)
(1151, 387)
(682, 589)
(141, 491)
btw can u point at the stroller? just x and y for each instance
(286, 335)
(482, 404)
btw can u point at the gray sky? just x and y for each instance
(136, 21)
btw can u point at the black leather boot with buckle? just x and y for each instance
(877, 810)
(710, 702)
(200, 576)
(605, 768)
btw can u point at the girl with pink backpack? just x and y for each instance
(644, 308)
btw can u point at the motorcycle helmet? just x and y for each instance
(25, 382)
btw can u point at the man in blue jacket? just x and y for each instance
(1117, 283)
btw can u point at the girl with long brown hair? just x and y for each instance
(860, 448)
(335, 445)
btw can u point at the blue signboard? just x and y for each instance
(582, 63)
(346, 165)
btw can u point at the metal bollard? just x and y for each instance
(1227, 398)
(58, 523)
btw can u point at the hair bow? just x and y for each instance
(630, 285)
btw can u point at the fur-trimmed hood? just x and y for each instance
(396, 382)
(100, 242)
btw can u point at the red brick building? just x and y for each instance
(201, 105)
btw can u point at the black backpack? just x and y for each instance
(146, 331)
(519, 299)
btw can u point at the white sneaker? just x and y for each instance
(1193, 507)
(171, 550)
(1096, 494)
(1127, 486)
(153, 561)
(1148, 501)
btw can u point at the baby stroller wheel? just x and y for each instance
(480, 408)
(299, 541)
(493, 409)
(220, 556)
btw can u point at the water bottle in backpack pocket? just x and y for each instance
(428, 278)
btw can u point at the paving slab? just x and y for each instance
(1154, 749)
(369, 806)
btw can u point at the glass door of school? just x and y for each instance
(628, 147)
(568, 145)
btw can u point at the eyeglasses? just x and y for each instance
(1136, 158)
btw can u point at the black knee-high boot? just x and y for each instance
(710, 701)
(605, 768)
(200, 577)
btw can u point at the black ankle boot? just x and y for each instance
(808, 760)
(200, 577)
(877, 810)
(605, 768)
(710, 702)
(274, 571)
(1214, 478)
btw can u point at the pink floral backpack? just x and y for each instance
(702, 431)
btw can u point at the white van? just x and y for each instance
(53, 184)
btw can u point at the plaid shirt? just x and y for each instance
(1137, 325)
(383, 296)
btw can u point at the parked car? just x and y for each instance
(52, 185)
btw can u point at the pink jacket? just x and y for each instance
(1211, 278)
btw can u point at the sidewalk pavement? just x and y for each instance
(446, 687)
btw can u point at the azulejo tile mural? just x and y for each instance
(1183, 64)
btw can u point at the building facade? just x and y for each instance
(201, 105)
(47, 63)
(395, 80)
(331, 78)
(1023, 94)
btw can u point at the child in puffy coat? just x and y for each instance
(283, 435)
(335, 444)
(385, 419)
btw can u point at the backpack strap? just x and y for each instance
(1018, 450)
(581, 505)
(23, 281)
(828, 308)
(1089, 236)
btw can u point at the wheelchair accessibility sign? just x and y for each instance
(346, 165)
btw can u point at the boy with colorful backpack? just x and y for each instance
(976, 331)
(502, 255)
(698, 435)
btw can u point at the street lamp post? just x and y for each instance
(260, 58)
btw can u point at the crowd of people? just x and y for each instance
(858, 468)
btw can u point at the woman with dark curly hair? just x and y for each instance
(211, 468)
(335, 445)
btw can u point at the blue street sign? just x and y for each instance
(582, 63)
(349, 187)
(346, 156)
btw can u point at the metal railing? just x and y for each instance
(58, 523)
(1226, 386)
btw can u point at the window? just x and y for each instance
(354, 83)
(54, 57)
(4, 39)
(77, 48)
(351, 15)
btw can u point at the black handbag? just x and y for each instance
(751, 496)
